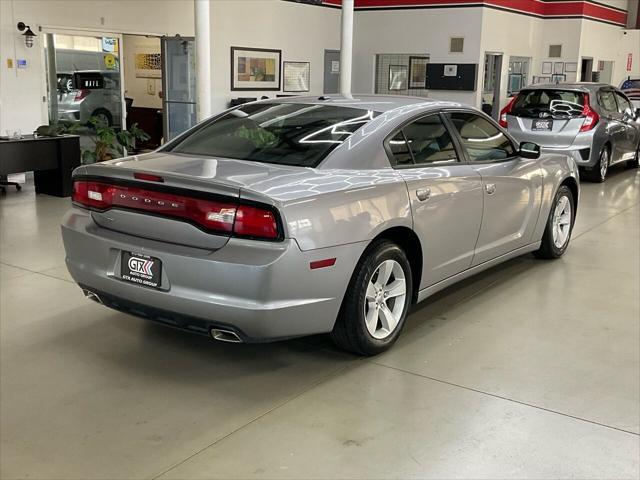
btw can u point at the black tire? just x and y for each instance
(103, 113)
(350, 331)
(548, 248)
(635, 163)
(598, 173)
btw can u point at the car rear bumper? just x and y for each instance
(581, 149)
(260, 290)
(581, 154)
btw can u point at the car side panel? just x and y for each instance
(555, 170)
(511, 210)
(356, 206)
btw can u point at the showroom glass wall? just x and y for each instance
(84, 84)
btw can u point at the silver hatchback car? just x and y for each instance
(299, 216)
(594, 123)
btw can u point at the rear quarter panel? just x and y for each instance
(338, 207)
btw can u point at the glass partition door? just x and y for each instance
(179, 85)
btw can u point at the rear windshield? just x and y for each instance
(556, 103)
(281, 133)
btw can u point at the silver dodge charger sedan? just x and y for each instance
(299, 216)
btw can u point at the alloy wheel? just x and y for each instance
(562, 222)
(385, 299)
(604, 164)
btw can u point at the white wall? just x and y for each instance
(302, 32)
(138, 88)
(22, 91)
(415, 31)
(605, 42)
(521, 35)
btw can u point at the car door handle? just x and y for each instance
(423, 194)
(490, 188)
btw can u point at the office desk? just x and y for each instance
(52, 159)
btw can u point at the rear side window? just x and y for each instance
(607, 100)
(554, 102)
(624, 105)
(400, 150)
(281, 133)
(424, 141)
(482, 140)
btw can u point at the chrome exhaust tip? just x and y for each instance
(92, 296)
(225, 336)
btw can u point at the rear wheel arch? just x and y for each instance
(409, 242)
(573, 186)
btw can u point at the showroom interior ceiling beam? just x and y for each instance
(587, 9)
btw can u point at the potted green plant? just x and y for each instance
(109, 143)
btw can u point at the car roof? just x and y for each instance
(578, 86)
(376, 103)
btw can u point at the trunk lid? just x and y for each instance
(221, 179)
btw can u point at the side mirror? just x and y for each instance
(529, 150)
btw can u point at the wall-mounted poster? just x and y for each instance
(558, 68)
(255, 68)
(546, 68)
(148, 62)
(418, 72)
(398, 77)
(297, 76)
(571, 67)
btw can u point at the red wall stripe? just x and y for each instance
(548, 9)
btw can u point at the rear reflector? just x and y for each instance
(327, 262)
(215, 216)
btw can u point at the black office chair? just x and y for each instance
(4, 183)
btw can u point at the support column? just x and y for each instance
(346, 48)
(203, 58)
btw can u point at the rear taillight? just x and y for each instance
(80, 94)
(255, 222)
(506, 111)
(214, 216)
(591, 117)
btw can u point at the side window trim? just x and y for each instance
(456, 145)
(458, 140)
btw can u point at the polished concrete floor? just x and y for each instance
(529, 370)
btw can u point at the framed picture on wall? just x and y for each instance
(255, 68)
(398, 77)
(558, 68)
(571, 67)
(418, 72)
(296, 76)
(546, 68)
